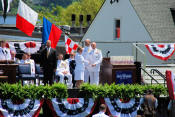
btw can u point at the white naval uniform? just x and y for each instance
(85, 54)
(5, 54)
(80, 66)
(100, 114)
(61, 67)
(32, 65)
(94, 57)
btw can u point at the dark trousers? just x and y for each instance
(150, 115)
(48, 76)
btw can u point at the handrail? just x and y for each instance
(159, 73)
(150, 76)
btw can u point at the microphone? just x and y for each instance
(107, 54)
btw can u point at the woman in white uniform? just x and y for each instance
(80, 67)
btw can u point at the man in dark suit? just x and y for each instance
(49, 63)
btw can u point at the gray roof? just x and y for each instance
(157, 18)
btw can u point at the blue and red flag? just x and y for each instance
(50, 32)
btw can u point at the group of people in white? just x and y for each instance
(87, 59)
(7, 54)
(87, 64)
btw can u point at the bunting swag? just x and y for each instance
(11, 46)
(28, 47)
(30, 108)
(161, 51)
(121, 109)
(71, 107)
(170, 78)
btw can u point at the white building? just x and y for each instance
(141, 21)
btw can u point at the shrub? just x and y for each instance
(19, 92)
(121, 91)
(57, 90)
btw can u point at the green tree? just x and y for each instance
(62, 16)
(63, 3)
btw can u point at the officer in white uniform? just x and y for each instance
(102, 109)
(80, 67)
(13, 54)
(31, 62)
(95, 59)
(85, 54)
(63, 70)
(4, 52)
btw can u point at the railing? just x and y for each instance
(152, 79)
(160, 74)
(135, 46)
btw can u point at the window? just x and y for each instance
(173, 13)
(117, 29)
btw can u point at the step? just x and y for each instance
(156, 76)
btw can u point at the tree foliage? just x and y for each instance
(63, 3)
(62, 16)
(38, 5)
(59, 12)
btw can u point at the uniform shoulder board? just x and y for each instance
(98, 50)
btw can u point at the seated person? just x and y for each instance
(13, 57)
(24, 59)
(4, 52)
(63, 70)
(31, 62)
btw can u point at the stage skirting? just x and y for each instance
(69, 107)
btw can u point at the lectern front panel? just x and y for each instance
(123, 76)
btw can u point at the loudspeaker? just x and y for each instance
(73, 17)
(81, 18)
(88, 18)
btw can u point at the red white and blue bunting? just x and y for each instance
(30, 108)
(71, 107)
(118, 108)
(161, 51)
(27, 47)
